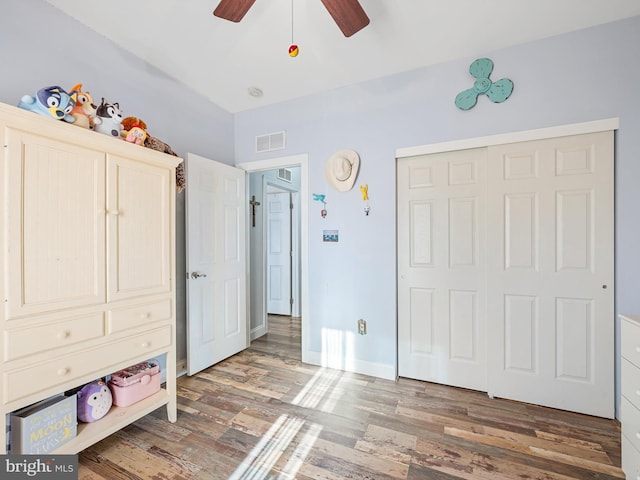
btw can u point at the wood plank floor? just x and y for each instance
(263, 414)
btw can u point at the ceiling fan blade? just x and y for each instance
(348, 14)
(233, 10)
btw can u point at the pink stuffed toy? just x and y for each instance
(136, 135)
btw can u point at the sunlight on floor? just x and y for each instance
(258, 464)
(321, 387)
(322, 392)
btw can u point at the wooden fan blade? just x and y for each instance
(348, 14)
(233, 10)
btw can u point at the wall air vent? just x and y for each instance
(284, 174)
(270, 141)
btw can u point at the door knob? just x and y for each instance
(195, 275)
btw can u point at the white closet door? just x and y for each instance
(550, 273)
(441, 268)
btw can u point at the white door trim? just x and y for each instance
(301, 160)
(500, 139)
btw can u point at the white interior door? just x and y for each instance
(216, 258)
(551, 314)
(441, 267)
(279, 253)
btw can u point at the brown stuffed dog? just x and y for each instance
(155, 144)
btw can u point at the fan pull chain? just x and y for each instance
(293, 48)
(292, 22)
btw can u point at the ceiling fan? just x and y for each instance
(348, 14)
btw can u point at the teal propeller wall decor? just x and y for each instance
(497, 92)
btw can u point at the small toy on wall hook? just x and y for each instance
(320, 198)
(364, 189)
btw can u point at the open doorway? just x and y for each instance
(274, 246)
(263, 177)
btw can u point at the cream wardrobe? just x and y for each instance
(88, 265)
(505, 270)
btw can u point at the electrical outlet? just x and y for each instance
(362, 327)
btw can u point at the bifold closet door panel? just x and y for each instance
(441, 268)
(550, 273)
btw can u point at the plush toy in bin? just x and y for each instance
(94, 401)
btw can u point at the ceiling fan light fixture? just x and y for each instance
(255, 92)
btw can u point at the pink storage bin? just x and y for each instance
(134, 383)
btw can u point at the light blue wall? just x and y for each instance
(41, 46)
(587, 75)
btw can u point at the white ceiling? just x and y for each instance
(221, 60)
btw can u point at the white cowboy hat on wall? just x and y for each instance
(341, 169)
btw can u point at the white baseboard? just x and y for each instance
(257, 332)
(363, 367)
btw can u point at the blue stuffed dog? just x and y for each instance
(53, 102)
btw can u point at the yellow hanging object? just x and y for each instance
(364, 190)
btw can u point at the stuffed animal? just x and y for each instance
(136, 135)
(94, 401)
(53, 102)
(134, 130)
(154, 143)
(159, 145)
(129, 122)
(108, 119)
(84, 110)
